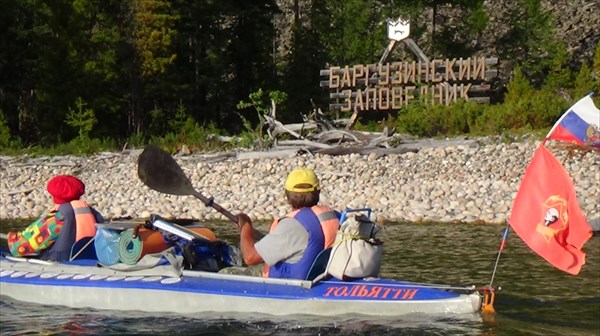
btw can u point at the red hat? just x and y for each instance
(65, 188)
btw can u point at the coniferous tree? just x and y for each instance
(250, 55)
(356, 32)
(197, 73)
(303, 65)
(151, 37)
(530, 41)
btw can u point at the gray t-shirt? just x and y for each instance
(287, 242)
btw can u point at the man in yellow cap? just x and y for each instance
(294, 241)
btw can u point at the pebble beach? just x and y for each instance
(457, 182)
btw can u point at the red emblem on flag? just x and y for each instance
(556, 218)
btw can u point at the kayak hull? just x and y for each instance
(89, 286)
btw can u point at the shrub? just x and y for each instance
(82, 119)
(4, 131)
(584, 83)
(439, 120)
(416, 120)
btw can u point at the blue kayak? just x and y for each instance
(82, 284)
(160, 283)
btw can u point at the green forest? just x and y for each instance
(79, 76)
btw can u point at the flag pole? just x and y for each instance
(504, 236)
(489, 293)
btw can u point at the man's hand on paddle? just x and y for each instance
(243, 219)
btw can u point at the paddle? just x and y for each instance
(3, 236)
(159, 171)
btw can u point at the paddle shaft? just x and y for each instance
(3, 236)
(214, 205)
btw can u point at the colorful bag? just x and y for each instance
(356, 253)
(38, 236)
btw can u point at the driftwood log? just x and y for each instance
(318, 134)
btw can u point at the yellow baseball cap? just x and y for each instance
(302, 180)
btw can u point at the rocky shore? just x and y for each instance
(464, 182)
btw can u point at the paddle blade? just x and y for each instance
(159, 171)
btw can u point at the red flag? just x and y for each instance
(546, 214)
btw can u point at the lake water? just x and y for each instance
(535, 298)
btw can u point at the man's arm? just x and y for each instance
(248, 237)
(286, 243)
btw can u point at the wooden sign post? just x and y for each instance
(392, 85)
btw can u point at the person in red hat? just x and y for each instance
(52, 236)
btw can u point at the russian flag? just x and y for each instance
(580, 124)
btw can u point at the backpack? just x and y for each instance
(356, 252)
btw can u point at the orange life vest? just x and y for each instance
(329, 224)
(84, 219)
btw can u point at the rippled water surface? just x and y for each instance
(535, 299)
